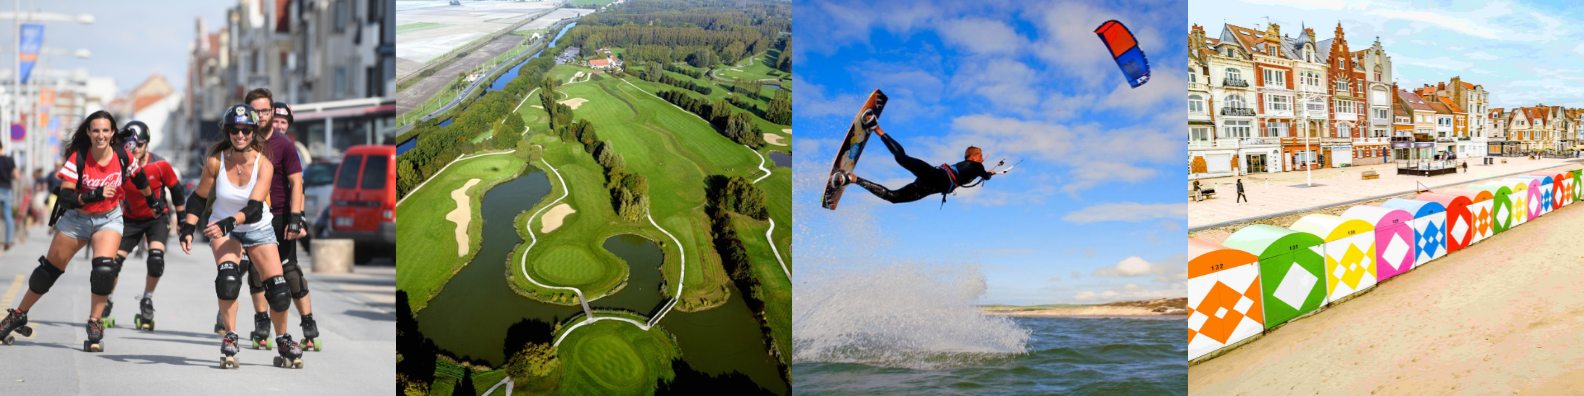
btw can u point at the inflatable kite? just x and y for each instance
(1124, 48)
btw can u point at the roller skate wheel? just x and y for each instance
(255, 344)
(25, 331)
(317, 345)
(107, 322)
(10, 340)
(297, 364)
(277, 361)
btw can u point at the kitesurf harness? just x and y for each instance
(951, 172)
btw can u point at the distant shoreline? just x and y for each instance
(1145, 308)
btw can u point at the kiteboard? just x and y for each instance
(867, 121)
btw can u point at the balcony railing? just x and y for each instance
(1257, 141)
(1237, 111)
(1234, 83)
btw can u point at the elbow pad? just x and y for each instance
(253, 212)
(140, 179)
(177, 196)
(67, 198)
(195, 207)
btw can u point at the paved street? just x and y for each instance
(1273, 193)
(355, 314)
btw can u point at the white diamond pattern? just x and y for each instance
(1459, 228)
(1294, 288)
(1397, 252)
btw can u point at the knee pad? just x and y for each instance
(102, 280)
(277, 293)
(120, 259)
(229, 282)
(255, 284)
(43, 277)
(156, 263)
(294, 279)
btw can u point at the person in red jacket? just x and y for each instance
(143, 223)
(91, 179)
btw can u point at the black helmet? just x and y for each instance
(282, 110)
(133, 134)
(239, 114)
(135, 130)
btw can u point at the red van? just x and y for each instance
(363, 201)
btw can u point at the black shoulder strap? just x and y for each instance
(82, 172)
(121, 155)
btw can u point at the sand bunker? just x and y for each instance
(461, 215)
(574, 102)
(787, 130)
(552, 219)
(774, 139)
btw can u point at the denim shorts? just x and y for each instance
(260, 236)
(82, 227)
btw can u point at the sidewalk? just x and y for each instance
(1272, 194)
(355, 314)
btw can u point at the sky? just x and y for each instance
(1524, 53)
(1094, 214)
(129, 40)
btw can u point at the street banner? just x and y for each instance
(32, 39)
(46, 101)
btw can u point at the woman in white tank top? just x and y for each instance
(239, 176)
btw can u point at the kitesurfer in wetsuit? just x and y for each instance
(929, 180)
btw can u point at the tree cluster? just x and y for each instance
(780, 108)
(738, 126)
(655, 73)
(629, 191)
(684, 71)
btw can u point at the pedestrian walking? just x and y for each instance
(1241, 198)
(8, 173)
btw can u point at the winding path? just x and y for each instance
(523, 266)
(777, 252)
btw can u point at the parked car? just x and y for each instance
(318, 184)
(363, 199)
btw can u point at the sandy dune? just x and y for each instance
(552, 218)
(461, 215)
(774, 139)
(1504, 316)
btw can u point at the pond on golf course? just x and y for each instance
(471, 315)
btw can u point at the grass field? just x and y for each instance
(615, 358)
(417, 26)
(427, 241)
(775, 288)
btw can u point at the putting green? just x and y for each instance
(565, 265)
(615, 358)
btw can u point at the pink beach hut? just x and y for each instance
(1429, 227)
(1394, 236)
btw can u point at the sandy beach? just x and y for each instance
(1504, 316)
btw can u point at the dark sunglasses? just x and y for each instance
(242, 131)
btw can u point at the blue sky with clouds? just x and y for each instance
(129, 40)
(1094, 214)
(1523, 52)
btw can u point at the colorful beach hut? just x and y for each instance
(1578, 184)
(1349, 252)
(1561, 187)
(1460, 223)
(1394, 235)
(1429, 227)
(1502, 213)
(1547, 192)
(1292, 269)
(1480, 210)
(1523, 207)
(1224, 297)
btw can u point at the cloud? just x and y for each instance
(981, 36)
(1127, 211)
(1131, 266)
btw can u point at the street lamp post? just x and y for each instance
(16, 16)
